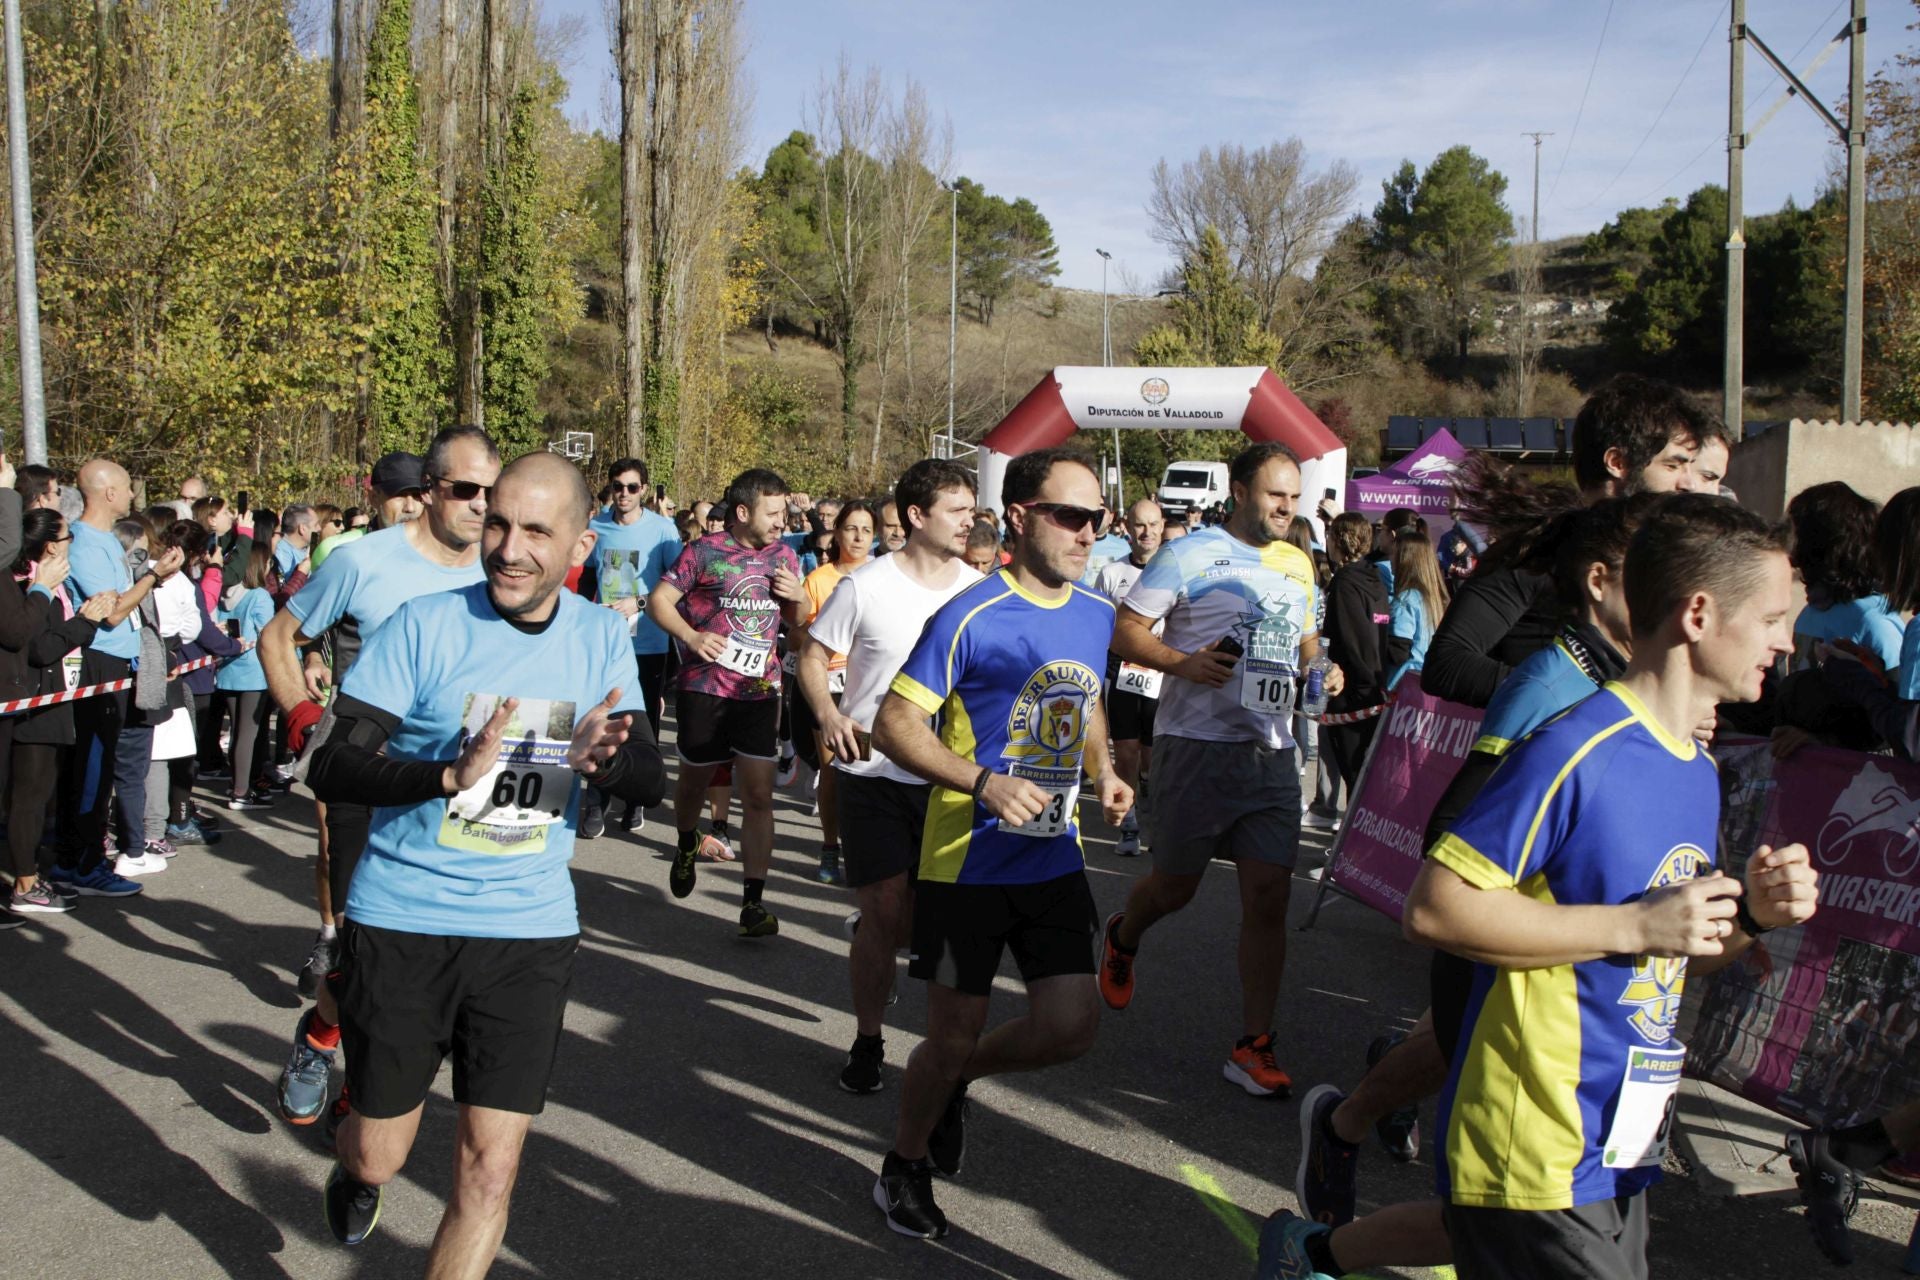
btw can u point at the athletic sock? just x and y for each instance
(688, 839)
(751, 894)
(1113, 937)
(322, 1034)
(1319, 1247)
(872, 1041)
(328, 932)
(720, 831)
(1864, 1146)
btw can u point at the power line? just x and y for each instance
(1714, 26)
(1582, 110)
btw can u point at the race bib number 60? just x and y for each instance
(509, 810)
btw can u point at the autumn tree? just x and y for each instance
(1439, 235)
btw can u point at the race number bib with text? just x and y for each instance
(1266, 688)
(509, 810)
(1063, 792)
(1144, 681)
(747, 656)
(1643, 1120)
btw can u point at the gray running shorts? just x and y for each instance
(1232, 800)
(1605, 1240)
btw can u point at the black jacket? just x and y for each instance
(1357, 610)
(1495, 621)
(33, 640)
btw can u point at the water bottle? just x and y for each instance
(1315, 701)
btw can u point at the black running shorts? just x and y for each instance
(1130, 716)
(410, 1000)
(960, 931)
(881, 824)
(1604, 1240)
(713, 730)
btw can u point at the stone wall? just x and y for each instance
(1877, 458)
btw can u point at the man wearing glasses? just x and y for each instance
(632, 548)
(1237, 603)
(1012, 668)
(356, 591)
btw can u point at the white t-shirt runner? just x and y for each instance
(1114, 581)
(875, 616)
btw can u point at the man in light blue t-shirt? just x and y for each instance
(465, 725)
(632, 548)
(113, 743)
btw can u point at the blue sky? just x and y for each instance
(1071, 103)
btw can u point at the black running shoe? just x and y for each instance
(947, 1144)
(680, 879)
(593, 821)
(1398, 1130)
(862, 1072)
(630, 818)
(757, 922)
(352, 1207)
(1829, 1187)
(321, 961)
(338, 1112)
(904, 1192)
(1324, 1183)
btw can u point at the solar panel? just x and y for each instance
(1540, 435)
(1504, 433)
(1470, 432)
(1403, 433)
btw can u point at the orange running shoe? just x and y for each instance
(1252, 1067)
(1116, 967)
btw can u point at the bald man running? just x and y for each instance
(113, 742)
(466, 725)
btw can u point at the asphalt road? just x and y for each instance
(694, 1126)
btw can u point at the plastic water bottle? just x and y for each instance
(1315, 701)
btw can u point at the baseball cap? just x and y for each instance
(397, 472)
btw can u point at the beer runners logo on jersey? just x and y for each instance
(1047, 726)
(1653, 992)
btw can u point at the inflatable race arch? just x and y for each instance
(1250, 400)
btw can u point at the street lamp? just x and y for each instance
(1106, 359)
(953, 302)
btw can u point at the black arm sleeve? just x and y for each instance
(349, 766)
(636, 773)
(1460, 665)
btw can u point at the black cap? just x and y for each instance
(397, 472)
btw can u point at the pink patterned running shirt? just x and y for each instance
(727, 588)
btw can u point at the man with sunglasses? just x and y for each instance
(633, 548)
(1011, 667)
(1236, 600)
(347, 600)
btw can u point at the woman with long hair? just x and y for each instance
(1355, 634)
(853, 533)
(1419, 600)
(40, 647)
(1833, 548)
(244, 683)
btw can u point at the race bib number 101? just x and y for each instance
(1266, 688)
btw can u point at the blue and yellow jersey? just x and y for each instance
(1014, 680)
(1556, 1091)
(1536, 691)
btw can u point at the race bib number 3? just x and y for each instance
(1063, 793)
(509, 810)
(70, 670)
(1144, 681)
(748, 657)
(1643, 1121)
(1266, 688)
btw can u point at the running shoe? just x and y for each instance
(64, 888)
(904, 1192)
(1399, 1129)
(9, 922)
(1128, 845)
(39, 899)
(829, 872)
(757, 922)
(787, 772)
(322, 960)
(1116, 967)
(352, 1207)
(204, 820)
(1252, 1067)
(1283, 1249)
(593, 820)
(303, 1081)
(1324, 1182)
(631, 819)
(101, 882)
(161, 848)
(851, 925)
(1829, 1188)
(330, 1127)
(680, 879)
(190, 832)
(862, 1072)
(714, 848)
(128, 865)
(1315, 820)
(255, 799)
(947, 1144)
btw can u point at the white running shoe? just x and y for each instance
(138, 864)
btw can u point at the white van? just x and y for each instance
(1192, 486)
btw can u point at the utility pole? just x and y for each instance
(33, 396)
(953, 304)
(1534, 234)
(1106, 359)
(1733, 393)
(1856, 212)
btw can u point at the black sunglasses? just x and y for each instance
(629, 488)
(464, 490)
(1071, 518)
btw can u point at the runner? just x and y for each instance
(874, 617)
(348, 601)
(632, 550)
(1133, 692)
(1011, 666)
(1237, 601)
(723, 602)
(852, 547)
(463, 727)
(1581, 960)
